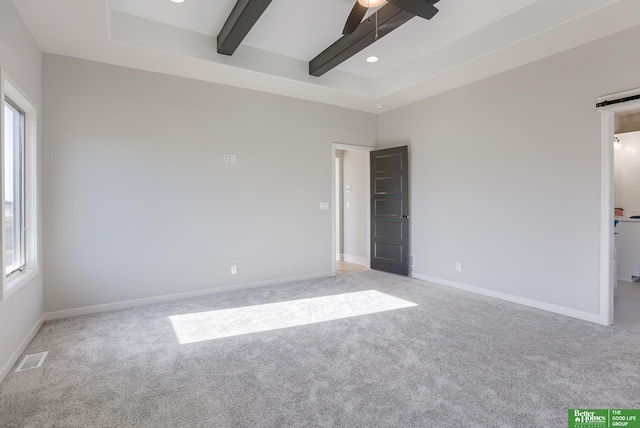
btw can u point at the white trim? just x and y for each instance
(48, 316)
(362, 261)
(353, 148)
(607, 128)
(618, 96)
(586, 316)
(606, 218)
(6, 368)
(338, 208)
(15, 281)
(9, 89)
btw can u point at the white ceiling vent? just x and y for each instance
(32, 361)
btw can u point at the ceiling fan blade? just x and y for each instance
(421, 8)
(354, 19)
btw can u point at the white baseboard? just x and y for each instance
(339, 257)
(67, 313)
(6, 368)
(562, 310)
(354, 259)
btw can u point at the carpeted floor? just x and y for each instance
(433, 357)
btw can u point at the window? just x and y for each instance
(19, 237)
(13, 180)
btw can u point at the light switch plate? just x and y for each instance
(232, 158)
(225, 158)
(324, 205)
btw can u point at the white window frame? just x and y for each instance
(10, 90)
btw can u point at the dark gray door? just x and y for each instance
(390, 210)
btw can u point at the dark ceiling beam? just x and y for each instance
(240, 21)
(390, 17)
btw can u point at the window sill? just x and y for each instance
(14, 282)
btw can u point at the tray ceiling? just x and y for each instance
(466, 41)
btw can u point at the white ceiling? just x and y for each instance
(299, 30)
(466, 41)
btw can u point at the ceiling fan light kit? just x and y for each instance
(422, 8)
(371, 3)
(358, 33)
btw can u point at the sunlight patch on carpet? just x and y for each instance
(202, 326)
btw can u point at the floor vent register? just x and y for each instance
(32, 361)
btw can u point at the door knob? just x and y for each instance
(404, 216)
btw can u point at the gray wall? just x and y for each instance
(20, 57)
(356, 176)
(505, 175)
(137, 201)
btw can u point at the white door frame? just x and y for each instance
(352, 148)
(607, 129)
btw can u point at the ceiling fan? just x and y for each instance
(421, 8)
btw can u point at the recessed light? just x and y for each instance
(379, 105)
(178, 1)
(372, 59)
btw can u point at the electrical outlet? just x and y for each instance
(232, 159)
(234, 270)
(458, 267)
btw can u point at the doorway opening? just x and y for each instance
(626, 200)
(351, 213)
(612, 116)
